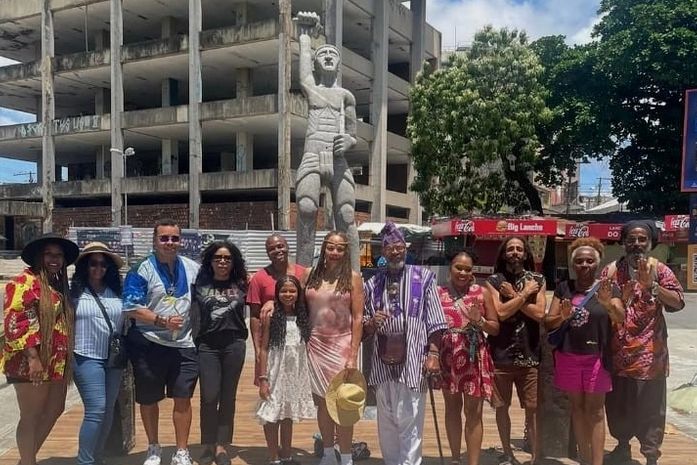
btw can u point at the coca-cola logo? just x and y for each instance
(466, 227)
(579, 230)
(680, 222)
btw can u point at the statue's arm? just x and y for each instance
(350, 115)
(307, 79)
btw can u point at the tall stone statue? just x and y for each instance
(331, 131)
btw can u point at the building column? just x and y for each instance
(284, 61)
(169, 156)
(168, 27)
(334, 25)
(116, 150)
(101, 101)
(101, 40)
(48, 114)
(418, 28)
(241, 13)
(195, 99)
(170, 92)
(39, 167)
(378, 112)
(415, 212)
(100, 161)
(244, 140)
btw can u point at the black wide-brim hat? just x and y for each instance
(33, 248)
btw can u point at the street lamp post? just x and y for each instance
(130, 151)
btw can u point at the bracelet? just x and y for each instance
(263, 378)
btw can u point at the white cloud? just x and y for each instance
(8, 117)
(572, 18)
(6, 61)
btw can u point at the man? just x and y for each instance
(262, 286)
(157, 294)
(519, 297)
(403, 308)
(331, 132)
(636, 407)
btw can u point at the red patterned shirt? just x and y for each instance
(640, 343)
(21, 317)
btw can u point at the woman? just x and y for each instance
(39, 319)
(467, 368)
(586, 307)
(334, 295)
(219, 331)
(95, 289)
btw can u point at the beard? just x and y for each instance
(396, 265)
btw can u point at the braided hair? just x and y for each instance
(277, 324)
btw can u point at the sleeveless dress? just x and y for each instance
(465, 358)
(289, 381)
(329, 345)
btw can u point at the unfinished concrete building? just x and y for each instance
(206, 92)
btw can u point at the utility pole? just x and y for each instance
(600, 186)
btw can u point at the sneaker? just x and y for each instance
(222, 459)
(181, 457)
(329, 459)
(620, 455)
(153, 455)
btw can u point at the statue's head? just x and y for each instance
(327, 58)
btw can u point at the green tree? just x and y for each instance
(577, 97)
(473, 127)
(646, 52)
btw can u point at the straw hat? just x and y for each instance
(345, 397)
(100, 247)
(33, 248)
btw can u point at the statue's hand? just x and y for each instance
(343, 143)
(308, 23)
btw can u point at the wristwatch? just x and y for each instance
(654, 288)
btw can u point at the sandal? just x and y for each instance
(360, 451)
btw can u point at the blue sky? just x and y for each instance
(457, 20)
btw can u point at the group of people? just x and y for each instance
(180, 322)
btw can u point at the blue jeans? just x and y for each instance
(99, 388)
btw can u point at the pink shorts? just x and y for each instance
(580, 373)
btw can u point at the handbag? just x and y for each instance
(117, 357)
(392, 348)
(556, 336)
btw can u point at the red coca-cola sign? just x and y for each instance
(602, 231)
(464, 226)
(676, 223)
(494, 228)
(576, 230)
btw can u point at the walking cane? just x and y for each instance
(435, 419)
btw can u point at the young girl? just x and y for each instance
(284, 383)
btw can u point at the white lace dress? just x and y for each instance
(289, 379)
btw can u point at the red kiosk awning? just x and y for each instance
(495, 228)
(676, 228)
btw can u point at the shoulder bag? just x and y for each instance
(117, 357)
(556, 336)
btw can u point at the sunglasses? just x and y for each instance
(97, 263)
(165, 239)
(222, 258)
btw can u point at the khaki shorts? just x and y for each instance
(525, 380)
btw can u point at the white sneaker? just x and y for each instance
(153, 455)
(329, 459)
(182, 457)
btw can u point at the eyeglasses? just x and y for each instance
(165, 239)
(96, 263)
(222, 258)
(394, 249)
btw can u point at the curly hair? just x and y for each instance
(345, 276)
(277, 325)
(591, 242)
(79, 282)
(238, 271)
(528, 263)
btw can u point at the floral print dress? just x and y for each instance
(466, 363)
(22, 331)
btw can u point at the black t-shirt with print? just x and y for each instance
(589, 327)
(218, 314)
(518, 341)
